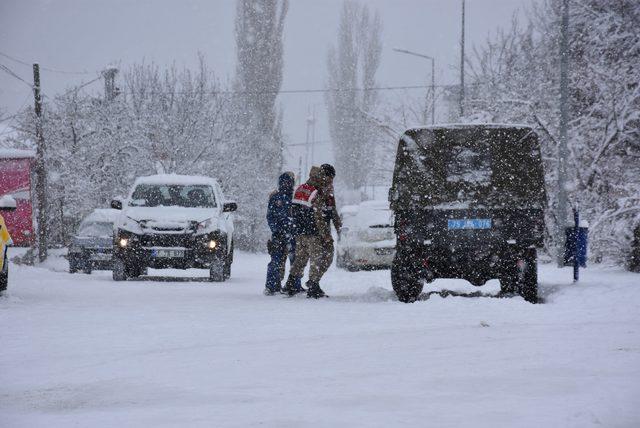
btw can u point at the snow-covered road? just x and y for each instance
(81, 350)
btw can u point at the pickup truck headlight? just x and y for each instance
(125, 239)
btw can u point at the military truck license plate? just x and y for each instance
(469, 223)
(169, 253)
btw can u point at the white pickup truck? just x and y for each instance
(173, 221)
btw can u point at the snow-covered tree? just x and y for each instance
(352, 64)
(257, 153)
(517, 80)
(163, 121)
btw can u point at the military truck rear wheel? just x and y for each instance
(521, 280)
(406, 282)
(528, 287)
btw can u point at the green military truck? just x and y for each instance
(469, 203)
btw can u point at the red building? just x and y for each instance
(16, 168)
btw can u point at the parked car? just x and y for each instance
(469, 203)
(367, 240)
(92, 246)
(7, 203)
(174, 221)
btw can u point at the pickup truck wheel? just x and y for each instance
(87, 268)
(216, 270)
(227, 263)
(120, 272)
(406, 282)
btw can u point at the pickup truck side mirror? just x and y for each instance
(116, 204)
(229, 207)
(8, 203)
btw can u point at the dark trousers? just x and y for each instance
(279, 247)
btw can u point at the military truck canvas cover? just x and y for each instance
(468, 166)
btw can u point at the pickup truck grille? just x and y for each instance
(167, 240)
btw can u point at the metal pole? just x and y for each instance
(433, 91)
(313, 134)
(40, 169)
(433, 82)
(576, 246)
(306, 144)
(462, 64)
(561, 214)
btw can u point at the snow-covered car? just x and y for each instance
(7, 203)
(367, 240)
(174, 221)
(92, 246)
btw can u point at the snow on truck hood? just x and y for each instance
(170, 215)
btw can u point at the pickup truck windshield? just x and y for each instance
(189, 196)
(96, 229)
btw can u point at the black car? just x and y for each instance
(469, 203)
(92, 246)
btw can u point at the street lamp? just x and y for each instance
(433, 79)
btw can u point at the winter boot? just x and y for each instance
(292, 287)
(314, 291)
(272, 291)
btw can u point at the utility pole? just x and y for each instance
(40, 169)
(564, 118)
(462, 64)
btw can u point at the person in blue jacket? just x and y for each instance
(282, 242)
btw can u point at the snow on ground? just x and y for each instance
(81, 350)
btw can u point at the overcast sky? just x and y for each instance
(85, 35)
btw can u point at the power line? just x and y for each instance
(76, 88)
(311, 90)
(13, 74)
(14, 116)
(52, 70)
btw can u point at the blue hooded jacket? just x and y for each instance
(279, 210)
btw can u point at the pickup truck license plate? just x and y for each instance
(101, 256)
(169, 253)
(469, 223)
(384, 251)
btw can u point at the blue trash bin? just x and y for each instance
(572, 250)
